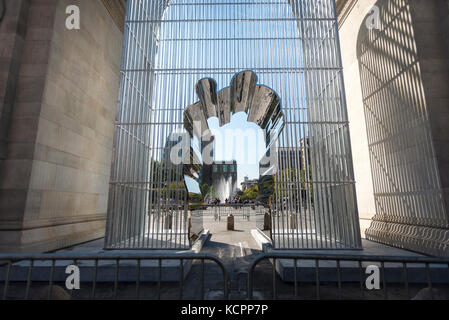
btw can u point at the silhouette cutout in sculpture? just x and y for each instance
(263, 107)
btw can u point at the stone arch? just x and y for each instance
(407, 188)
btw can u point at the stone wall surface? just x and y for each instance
(397, 79)
(12, 37)
(357, 123)
(54, 181)
(431, 25)
(30, 64)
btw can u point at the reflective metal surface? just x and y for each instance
(262, 104)
(293, 48)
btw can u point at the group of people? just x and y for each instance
(216, 201)
(240, 201)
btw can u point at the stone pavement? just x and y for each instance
(235, 248)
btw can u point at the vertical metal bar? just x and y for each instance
(94, 280)
(50, 286)
(8, 272)
(307, 128)
(116, 276)
(226, 283)
(362, 280)
(181, 279)
(295, 266)
(429, 281)
(406, 284)
(274, 280)
(202, 279)
(159, 280)
(339, 279)
(317, 279)
(138, 279)
(384, 282)
(30, 271)
(250, 282)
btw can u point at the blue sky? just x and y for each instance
(228, 148)
(209, 45)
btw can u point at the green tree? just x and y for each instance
(250, 193)
(293, 180)
(207, 191)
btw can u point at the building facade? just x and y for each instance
(249, 183)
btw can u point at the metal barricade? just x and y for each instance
(353, 271)
(140, 276)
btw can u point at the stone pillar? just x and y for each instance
(431, 26)
(351, 18)
(404, 76)
(230, 223)
(13, 27)
(293, 221)
(27, 26)
(59, 99)
(267, 221)
(168, 219)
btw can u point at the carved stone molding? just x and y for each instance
(344, 8)
(432, 241)
(117, 10)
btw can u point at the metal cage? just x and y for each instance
(293, 47)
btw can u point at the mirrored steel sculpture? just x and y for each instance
(261, 103)
(172, 51)
(263, 107)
